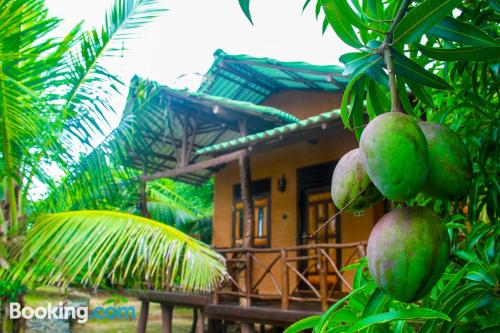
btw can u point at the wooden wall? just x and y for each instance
(286, 160)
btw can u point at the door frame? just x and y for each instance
(302, 192)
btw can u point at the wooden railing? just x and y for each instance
(307, 273)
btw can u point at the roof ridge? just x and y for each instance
(270, 133)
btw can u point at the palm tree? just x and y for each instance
(54, 95)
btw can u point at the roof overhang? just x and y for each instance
(253, 79)
(169, 125)
(310, 129)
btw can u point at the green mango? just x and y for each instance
(394, 154)
(450, 168)
(351, 185)
(407, 252)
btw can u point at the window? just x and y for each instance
(261, 191)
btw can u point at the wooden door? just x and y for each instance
(319, 208)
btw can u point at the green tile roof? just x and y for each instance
(252, 79)
(157, 115)
(267, 112)
(270, 134)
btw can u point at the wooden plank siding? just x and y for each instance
(285, 161)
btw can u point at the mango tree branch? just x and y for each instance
(386, 49)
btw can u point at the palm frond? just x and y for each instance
(85, 110)
(90, 246)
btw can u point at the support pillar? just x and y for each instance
(249, 221)
(200, 327)
(166, 318)
(143, 317)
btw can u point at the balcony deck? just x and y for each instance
(268, 286)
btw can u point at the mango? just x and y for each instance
(351, 184)
(450, 169)
(407, 252)
(395, 156)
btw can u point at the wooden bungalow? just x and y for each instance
(270, 133)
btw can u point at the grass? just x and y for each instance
(181, 323)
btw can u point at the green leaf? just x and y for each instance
(495, 4)
(403, 96)
(245, 7)
(305, 5)
(344, 114)
(326, 317)
(421, 18)
(353, 60)
(356, 112)
(411, 70)
(349, 14)
(377, 301)
(420, 92)
(378, 74)
(92, 245)
(461, 32)
(379, 318)
(304, 324)
(376, 102)
(343, 316)
(467, 53)
(340, 24)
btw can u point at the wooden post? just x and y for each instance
(166, 318)
(143, 317)
(246, 193)
(194, 324)
(200, 327)
(285, 283)
(323, 289)
(248, 278)
(248, 225)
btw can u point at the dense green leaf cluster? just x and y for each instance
(442, 57)
(54, 99)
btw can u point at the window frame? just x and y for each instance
(237, 242)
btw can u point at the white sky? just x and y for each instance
(177, 48)
(181, 41)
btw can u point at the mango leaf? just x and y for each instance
(411, 70)
(378, 74)
(304, 324)
(245, 7)
(376, 303)
(356, 112)
(344, 114)
(325, 26)
(376, 100)
(461, 32)
(471, 303)
(305, 5)
(343, 316)
(421, 18)
(495, 4)
(466, 53)
(403, 96)
(353, 60)
(379, 318)
(340, 24)
(420, 92)
(349, 14)
(327, 315)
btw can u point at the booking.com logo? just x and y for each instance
(79, 313)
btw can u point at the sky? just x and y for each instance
(177, 48)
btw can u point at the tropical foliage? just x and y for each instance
(54, 96)
(437, 61)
